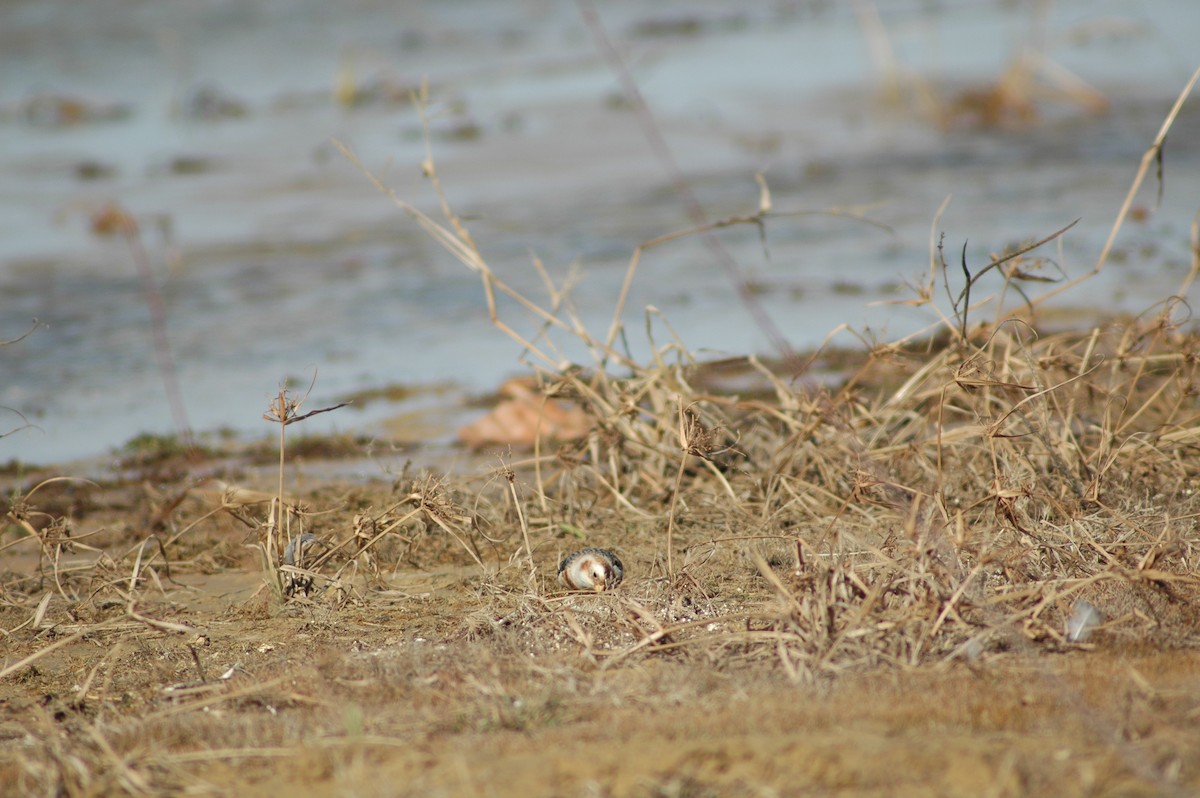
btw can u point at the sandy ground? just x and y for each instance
(446, 681)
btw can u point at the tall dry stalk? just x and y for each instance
(284, 410)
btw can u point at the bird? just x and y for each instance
(591, 569)
(299, 547)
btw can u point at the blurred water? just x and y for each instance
(277, 258)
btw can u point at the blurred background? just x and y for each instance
(172, 162)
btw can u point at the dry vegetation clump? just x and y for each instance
(974, 500)
(970, 510)
(950, 505)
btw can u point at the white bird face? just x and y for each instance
(598, 573)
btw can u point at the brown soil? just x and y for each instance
(428, 675)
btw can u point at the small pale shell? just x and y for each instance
(591, 569)
(1083, 620)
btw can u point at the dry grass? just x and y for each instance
(895, 558)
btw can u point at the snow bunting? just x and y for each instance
(591, 569)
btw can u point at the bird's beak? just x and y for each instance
(601, 583)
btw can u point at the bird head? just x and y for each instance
(598, 571)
